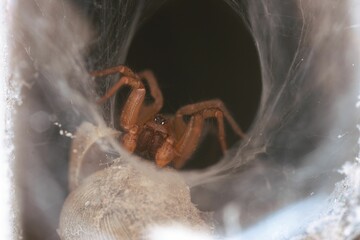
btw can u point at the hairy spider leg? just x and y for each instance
(147, 75)
(130, 112)
(118, 69)
(192, 131)
(130, 115)
(166, 153)
(149, 111)
(189, 140)
(214, 103)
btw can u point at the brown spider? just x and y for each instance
(164, 139)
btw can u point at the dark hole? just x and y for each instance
(201, 50)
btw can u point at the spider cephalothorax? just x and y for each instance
(151, 135)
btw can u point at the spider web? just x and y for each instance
(304, 131)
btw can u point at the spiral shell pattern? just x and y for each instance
(122, 202)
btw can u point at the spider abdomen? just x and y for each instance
(149, 142)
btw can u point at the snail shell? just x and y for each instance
(121, 203)
(124, 199)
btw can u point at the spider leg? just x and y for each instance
(146, 111)
(150, 110)
(131, 110)
(191, 132)
(188, 142)
(133, 99)
(211, 104)
(118, 69)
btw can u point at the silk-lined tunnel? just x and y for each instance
(198, 50)
(201, 50)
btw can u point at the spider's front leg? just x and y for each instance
(131, 110)
(190, 133)
(134, 113)
(149, 111)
